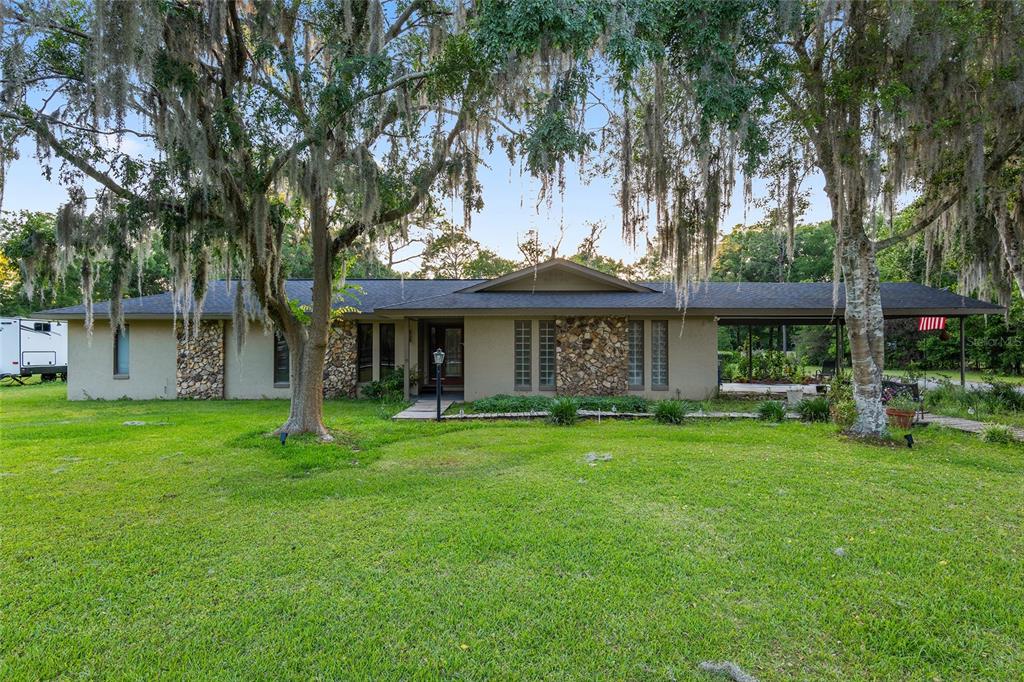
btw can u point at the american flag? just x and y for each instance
(931, 324)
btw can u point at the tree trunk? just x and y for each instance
(1013, 244)
(308, 343)
(866, 329)
(306, 377)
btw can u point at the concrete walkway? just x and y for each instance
(968, 425)
(424, 408)
(736, 390)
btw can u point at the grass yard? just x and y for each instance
(194, 546)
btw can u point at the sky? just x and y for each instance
(510, 206)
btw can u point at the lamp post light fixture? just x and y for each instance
(438, 361)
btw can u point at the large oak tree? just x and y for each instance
(351, 112)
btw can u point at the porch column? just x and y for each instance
(963, 356)
(408, 365)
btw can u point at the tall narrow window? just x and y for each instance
(524, 332)
(364, 351)
(387, 350)
(636, 354)
(659, 354)
(282, 360)
(121, 349)
(547, 354)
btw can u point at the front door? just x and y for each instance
(448, 337)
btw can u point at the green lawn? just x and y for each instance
(196, 547)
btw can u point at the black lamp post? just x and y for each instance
(438, 359)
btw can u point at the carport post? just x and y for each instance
(963, 355)
(839, 357)
(750, 353)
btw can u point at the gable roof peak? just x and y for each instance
(576, 277)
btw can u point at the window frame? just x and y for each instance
(545, 327)
(656, 385)
(360, 365)
(384, 368)
(280, 345)
(634, 350)
(122, 336)
(41, 327)
(522, 351)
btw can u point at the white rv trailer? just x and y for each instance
(30, 347)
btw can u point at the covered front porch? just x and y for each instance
(446, 334)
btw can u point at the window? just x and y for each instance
(364, 351)
(41, 327)
(282, 360)
(659, 354)
(524, 332)
(547, 354)
(386, 365)
(121, 348)
(636, 354)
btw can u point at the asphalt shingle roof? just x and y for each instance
(413, 296)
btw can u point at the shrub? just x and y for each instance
(949, 396)
(1003, 396)
(839, 390)
(813, 409)
(843, 412)
(621, 403)
(669, 411)
(390, 388)
(512, 403)
(564, 411)
(771, 411)
(997, 433)
(769, 365)
(902, 401)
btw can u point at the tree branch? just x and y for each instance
(425, 177)
(75, 159)
(935, 211)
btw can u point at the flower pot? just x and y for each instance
(899, 418)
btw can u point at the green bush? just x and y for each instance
(512, 403)
(621, 403)
(670, 411)
(769, 365)
(564, 411)
(997, 433)
(771, 411)
(813, 409)
(1003, 396)
(390, 388)
(839, 390)
(843, 412)
(902, 401)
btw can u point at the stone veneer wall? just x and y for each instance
(340, 368)
(200, 372)
(592, 355)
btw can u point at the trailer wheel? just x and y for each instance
(48, 377)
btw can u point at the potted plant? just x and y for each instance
(900, 409)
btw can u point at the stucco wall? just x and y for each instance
(692, 359)
(692, 365)
(152, 362)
